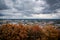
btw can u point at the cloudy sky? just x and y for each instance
(17, 9)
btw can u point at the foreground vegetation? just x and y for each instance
(28, 32)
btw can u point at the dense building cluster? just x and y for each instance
(29, 32)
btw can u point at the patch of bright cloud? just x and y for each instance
(46, 16)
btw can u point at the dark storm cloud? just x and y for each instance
(53, 5)
(51, 2)
(1, 14)
(2, 5)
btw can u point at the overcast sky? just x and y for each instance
(17, 9)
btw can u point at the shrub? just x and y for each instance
(28, 32)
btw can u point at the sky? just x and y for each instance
(21, 9)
